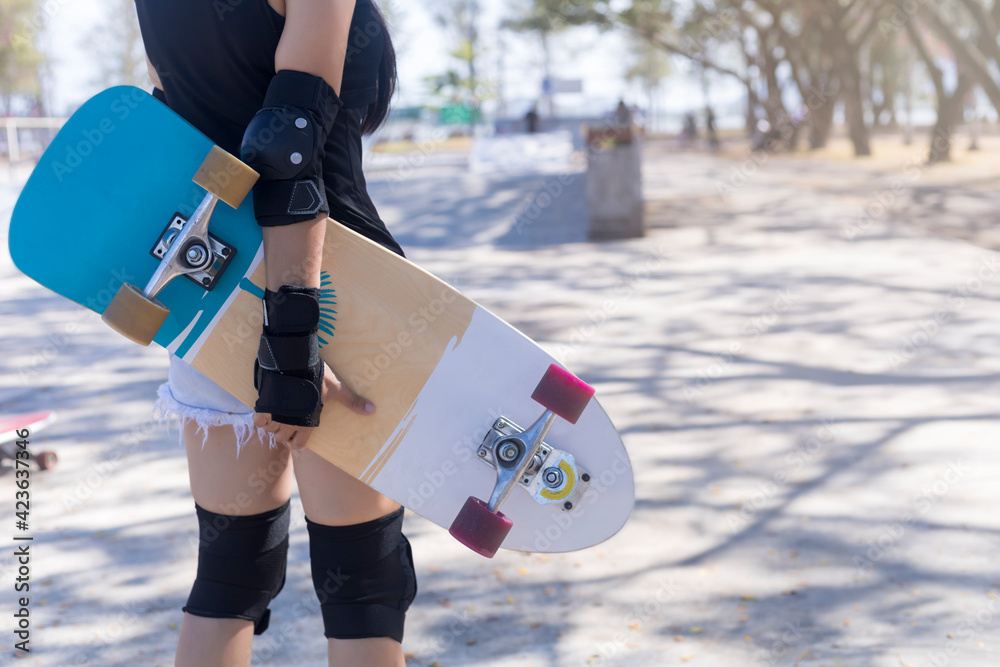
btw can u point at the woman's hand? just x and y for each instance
(296, 437)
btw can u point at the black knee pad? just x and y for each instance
(364, 577)
(241, 565)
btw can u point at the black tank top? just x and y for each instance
(215, 60)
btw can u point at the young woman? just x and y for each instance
(290, 86)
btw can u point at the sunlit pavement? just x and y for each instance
(808, 395)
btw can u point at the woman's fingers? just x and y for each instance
(334, 390)
(283, 433)
(296, 437)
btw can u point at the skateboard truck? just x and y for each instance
(184, 249)
(552, 476)
(203, 257)
(518, 457)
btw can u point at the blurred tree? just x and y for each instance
(888, 70)
(546, 17)
(116, 44)
(462, 18)
(650, 65)
(970, 28)
(20, 59)
(950, 103)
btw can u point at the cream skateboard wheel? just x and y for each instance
(226, 177)
(134, 315)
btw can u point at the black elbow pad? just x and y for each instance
(284, 143)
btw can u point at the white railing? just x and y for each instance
(13, 124)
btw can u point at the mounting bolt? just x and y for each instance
(508, 452)
(585, 477)
(501, 424)
(553, 477)
(482, 453)
(196, 255)
(567, 505)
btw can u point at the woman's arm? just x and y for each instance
(314, 41)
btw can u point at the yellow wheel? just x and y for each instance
(225, 177)
(134, 316)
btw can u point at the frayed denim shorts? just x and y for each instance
(190, 395)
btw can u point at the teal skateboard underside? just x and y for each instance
(100, 197)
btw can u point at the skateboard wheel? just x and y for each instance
(480, 529)
(135, 316)
(47, 460)
(563, 393)
(226, 177)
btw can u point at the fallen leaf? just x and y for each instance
(748, 598)
(521, 570)
(847, 621)
(685, 658)
(746, 638)
(634, 626)
(678, 638)
(695, 630)
(469, 642)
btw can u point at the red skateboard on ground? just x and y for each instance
(34, 422)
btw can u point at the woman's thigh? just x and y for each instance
(332, 497)
(257, 480)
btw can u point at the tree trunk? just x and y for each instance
(949, 117)
(854, 109)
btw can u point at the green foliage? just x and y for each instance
(20, 59)
(116, 44)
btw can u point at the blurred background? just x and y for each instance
(763, 230)
(478, 67)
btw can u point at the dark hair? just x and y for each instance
(378, 111)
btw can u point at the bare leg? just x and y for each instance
(332, 497)
(258, 481)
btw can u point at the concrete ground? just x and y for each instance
(806, 383)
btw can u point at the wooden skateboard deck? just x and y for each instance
(440, 368)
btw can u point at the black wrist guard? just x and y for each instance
(285, 142)
(288, 373)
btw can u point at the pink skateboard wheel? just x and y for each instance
(480, 529)
(563, 393)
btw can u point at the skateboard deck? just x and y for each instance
(445, 373)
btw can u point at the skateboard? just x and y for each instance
(133, 213)
(34, 422)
